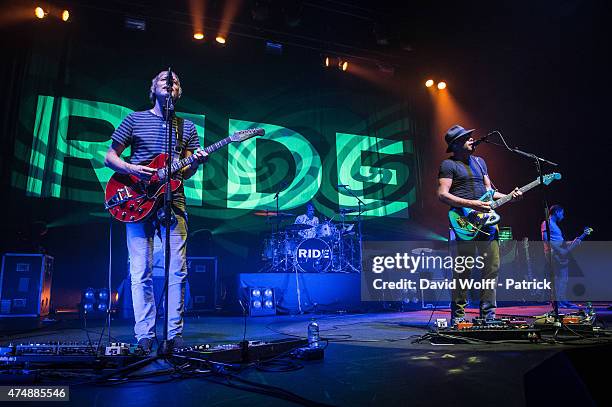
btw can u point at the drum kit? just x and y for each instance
(327, 247)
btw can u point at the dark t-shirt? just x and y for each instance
(468, 180)
(147, 135)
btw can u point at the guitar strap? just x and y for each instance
(482, 171)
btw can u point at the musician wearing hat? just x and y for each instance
(308, 218)
(462, 179)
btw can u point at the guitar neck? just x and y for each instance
(508, 198)
(177, 166)
(576, 241)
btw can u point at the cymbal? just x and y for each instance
(274, 213)
(347, 211)
(297, 227)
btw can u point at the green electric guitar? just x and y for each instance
(467, 222)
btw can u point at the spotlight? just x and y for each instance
(102, 307)
(343, 65)
(429, 83)
(220, 39)
(88, 306)
(39, 12)
(65, 15)
(256, 293)
(268, 293)
(269, 304)
(198, 36)
(89, 294)
(441, 85)
(256, 304)
(327, 62)
(103, 295)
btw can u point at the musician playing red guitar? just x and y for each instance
(147, 134)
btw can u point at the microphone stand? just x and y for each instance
(359, 212)
(538, 161)
(164, 352)
(280, 188)
(168, 115)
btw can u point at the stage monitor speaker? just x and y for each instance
(202, 277)
(25, 285)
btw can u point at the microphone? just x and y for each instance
(483, 139)
(169, 80)
(169, 99)
(282, 186)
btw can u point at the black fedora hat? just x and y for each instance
(455, 133)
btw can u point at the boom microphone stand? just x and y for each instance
(538, 161)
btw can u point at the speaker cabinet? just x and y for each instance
(25, 285)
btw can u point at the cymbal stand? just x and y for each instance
(360, 204)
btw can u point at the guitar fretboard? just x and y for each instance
(189, 160)
(508, 197)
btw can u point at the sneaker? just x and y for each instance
(146, 344)
(176, 343)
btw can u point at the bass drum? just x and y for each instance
(313, 256)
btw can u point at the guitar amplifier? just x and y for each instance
(25, 285)
(202, 277)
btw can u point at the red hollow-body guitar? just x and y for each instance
(130, 199)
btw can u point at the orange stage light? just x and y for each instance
(39, 12)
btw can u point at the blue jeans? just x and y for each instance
(140, 243)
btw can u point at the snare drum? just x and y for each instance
(313, 255)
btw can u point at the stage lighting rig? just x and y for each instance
(261, 301)
(94, 302)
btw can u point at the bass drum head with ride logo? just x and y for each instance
(313, 255)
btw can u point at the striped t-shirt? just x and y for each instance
(147, 135)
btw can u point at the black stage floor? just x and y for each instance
(371, 359)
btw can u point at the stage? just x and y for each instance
(332, 175)
(371, 359)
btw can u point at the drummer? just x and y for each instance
(308, 219)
